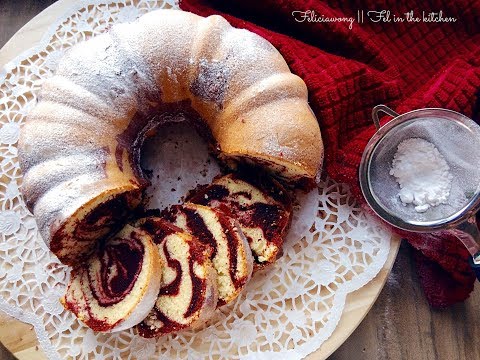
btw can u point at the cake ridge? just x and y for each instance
(194, 65)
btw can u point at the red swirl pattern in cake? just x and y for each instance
(105, 220)
(231, 255)
(120, 265)
(173, 288)
(261, 206)
(118, 285)
(188, 294)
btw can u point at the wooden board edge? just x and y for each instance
(354, 312)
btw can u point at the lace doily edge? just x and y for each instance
(340, 300)
(42, 43)
(31, 319)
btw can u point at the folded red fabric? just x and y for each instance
(406, 65)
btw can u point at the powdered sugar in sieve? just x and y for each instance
(421, 170)
(422, 173)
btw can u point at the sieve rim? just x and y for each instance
(365, 184)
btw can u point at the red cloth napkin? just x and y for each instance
(404, 65)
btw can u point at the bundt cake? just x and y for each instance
(188, 293)
(118, 285)
(79, 148)
(231, 257)
(261, 206)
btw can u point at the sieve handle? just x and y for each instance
(474, 262)
(468, 233)
(384, 109)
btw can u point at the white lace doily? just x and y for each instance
(287, 312)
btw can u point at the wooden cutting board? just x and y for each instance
(20, 338)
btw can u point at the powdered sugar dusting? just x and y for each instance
(103, 86)
(211, 83)
(422, 173)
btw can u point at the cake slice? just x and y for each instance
(231, 257)
(188, 293)
(118, 285)
(261, 206)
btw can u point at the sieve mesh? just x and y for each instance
(458, 140)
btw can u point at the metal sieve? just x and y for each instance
(458, 140)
